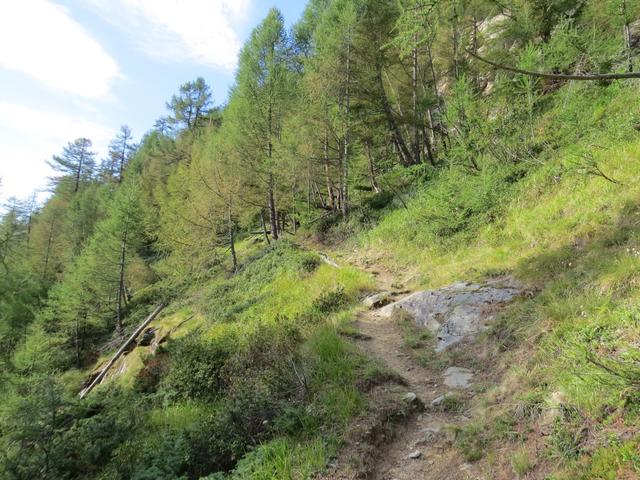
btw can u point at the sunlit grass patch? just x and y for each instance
(285, 459)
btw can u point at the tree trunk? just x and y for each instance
(79, 170)
(293, 209)
(77, 342)
(434, 77)
(47, 253)
(273, 219)
(428, 149)
(454, 41)
(372, 171)
(627, 35)
(325, 154)
(232, 243)
(431, 130)
(403, 150)
(273, 214)
(121, 350)
(123, 156)
(123, 252)
(345, 159)
(586, 77)
(416, 113)
(309, 186)
(316, 192)
(264, 228)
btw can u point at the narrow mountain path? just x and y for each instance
(422, 446)
(426, 432)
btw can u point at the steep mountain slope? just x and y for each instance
(364, 152)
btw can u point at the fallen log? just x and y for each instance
(121, 350)
(328, 260)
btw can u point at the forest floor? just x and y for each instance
(414, 439)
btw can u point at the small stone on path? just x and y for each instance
(410, 398)
(436, 402)
(415, 455)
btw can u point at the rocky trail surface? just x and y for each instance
(439, 378)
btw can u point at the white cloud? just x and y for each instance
(29, 136)
(204, 31)
(41, 39)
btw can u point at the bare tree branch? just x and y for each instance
(559, 76)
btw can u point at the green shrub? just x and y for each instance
(569, 433)
(378, 201)
(324, 225)
(452, 404)
(310, 262)
(195, 369)
(331, 301)
(614, 461)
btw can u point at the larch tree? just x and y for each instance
(191, 105)
(111, 250)
(76, 163)
(258, 105)
(121, 149)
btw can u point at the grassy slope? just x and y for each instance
(571, 236)
(279, 286)
(574, 238)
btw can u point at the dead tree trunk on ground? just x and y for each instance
(121, 350)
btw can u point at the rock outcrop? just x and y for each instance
(456, 312)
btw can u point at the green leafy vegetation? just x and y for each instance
(368, 130)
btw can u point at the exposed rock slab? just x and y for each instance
(456, 312)
(458, 377)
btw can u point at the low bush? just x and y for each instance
(195, 369)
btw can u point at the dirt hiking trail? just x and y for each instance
(437, 388)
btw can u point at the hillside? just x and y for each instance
(382, 257)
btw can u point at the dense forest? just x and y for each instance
(409, 134)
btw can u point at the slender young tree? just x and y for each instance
(121, 149)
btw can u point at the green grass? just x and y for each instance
(572, 236)
(521, 462)
(285, 459)
(267, 343)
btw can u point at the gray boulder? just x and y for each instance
(457, 312)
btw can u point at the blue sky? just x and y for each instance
(82, 68)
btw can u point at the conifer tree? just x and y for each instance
(191, 105)
(76, 163)
(264, 89)
(121, 149)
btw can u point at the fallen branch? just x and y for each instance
(311, 222)
(326, 259)
(558, 76)
(124, 346)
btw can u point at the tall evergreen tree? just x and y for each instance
(121, 149)
(191, 105)
(258, 106)
(76, 163)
